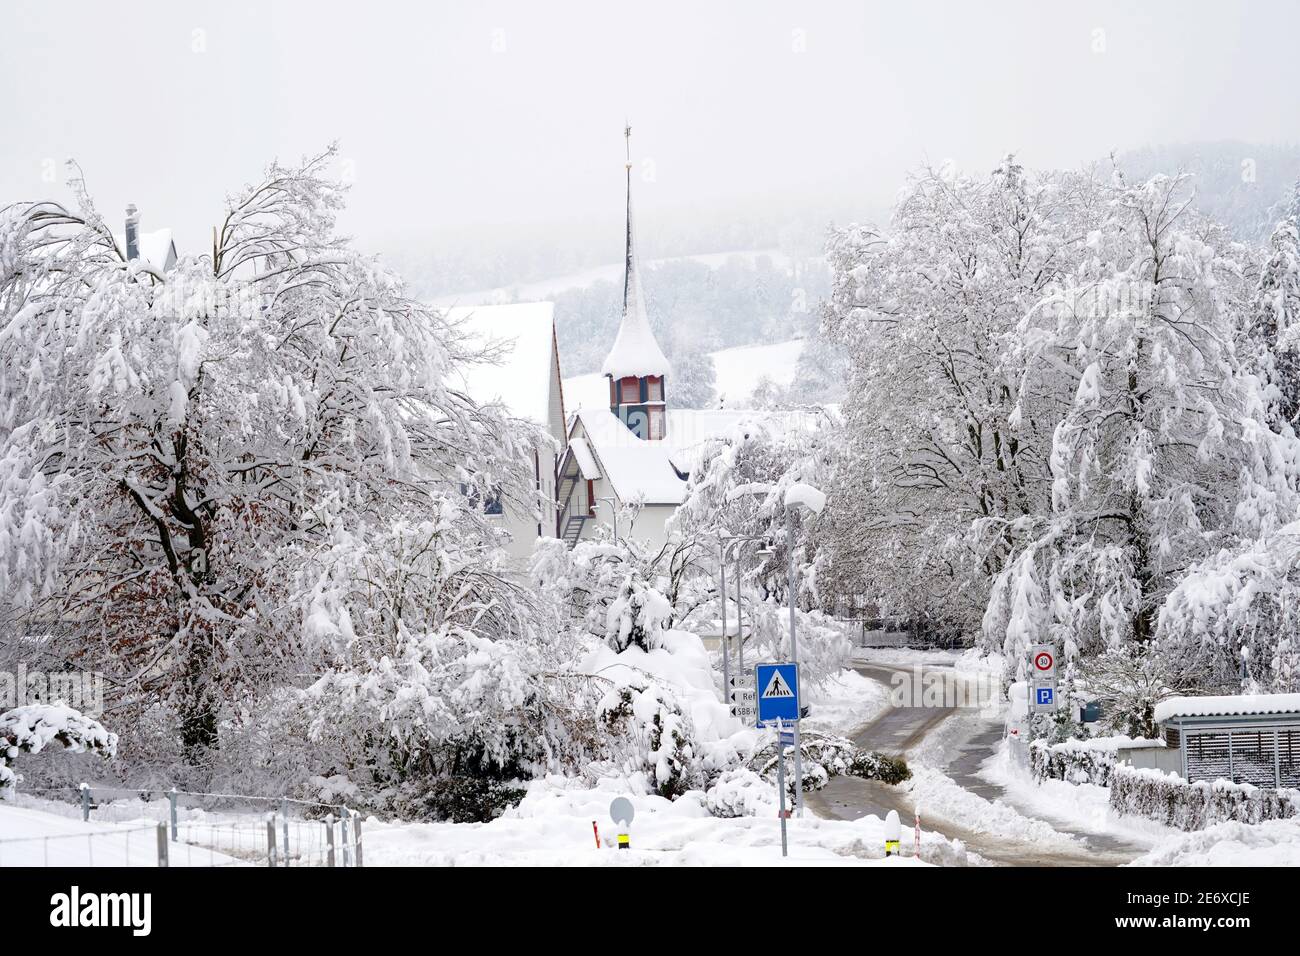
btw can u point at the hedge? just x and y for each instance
(1171, 800)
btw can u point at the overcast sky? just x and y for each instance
(486, 118)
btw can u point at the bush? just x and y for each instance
(1170, 800)
(459, 800)
(652, 721)
(1073, 764)
(740, 793)
(825, 756)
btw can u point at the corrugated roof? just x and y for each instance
(1227, 706)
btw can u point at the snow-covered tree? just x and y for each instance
(928, 314)
(1162, 456)
(175, 447)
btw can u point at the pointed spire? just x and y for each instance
(635, 350)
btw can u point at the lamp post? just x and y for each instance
(725, 545)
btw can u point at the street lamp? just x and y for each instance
(612, 503)
(726, 544)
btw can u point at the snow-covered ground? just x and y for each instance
(52, 837)
(553, 827)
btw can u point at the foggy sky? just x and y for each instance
(493, 119)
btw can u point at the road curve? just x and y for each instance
(898, 731)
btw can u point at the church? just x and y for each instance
(622, 452)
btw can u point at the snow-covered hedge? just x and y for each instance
(1081, 761)
(32, 728)
(824, 756)
(1168, 799)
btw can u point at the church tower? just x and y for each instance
(636, 366)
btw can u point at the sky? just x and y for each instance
(492, 122)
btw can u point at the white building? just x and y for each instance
(526, 381)
(629, 455)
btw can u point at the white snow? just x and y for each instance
(32, 837)
(739, 371)
(1271, 843)
(553, 827)
(635, 467)
(1227, 705)
(805, 495)
(156, 247)
(586, 461)
(521, 381)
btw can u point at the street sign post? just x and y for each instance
(743, 699)
(1042, 662)
(1042, 679)
(778, 692)
(777, 686)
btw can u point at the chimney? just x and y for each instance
(132, 232)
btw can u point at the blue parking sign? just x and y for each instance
(1045, 697)
(778, 691)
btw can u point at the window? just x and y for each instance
(654, 389)
(656, 424)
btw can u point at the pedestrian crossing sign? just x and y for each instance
(778, 691)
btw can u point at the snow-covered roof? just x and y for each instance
(635, 465)
(637, 469)
(1227, 706)
(738, 373)
(586, 462)
(156, 248)
(521, 381)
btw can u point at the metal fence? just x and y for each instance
(283, 832)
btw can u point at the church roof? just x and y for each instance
(635, 351)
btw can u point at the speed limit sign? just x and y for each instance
(1042, 660)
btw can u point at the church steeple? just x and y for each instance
(636, 366)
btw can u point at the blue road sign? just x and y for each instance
(1046, 696)
(778, 691)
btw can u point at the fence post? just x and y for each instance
(162, 845)
(270, 839)
(284, 827)
(343, 832)
(356, 836)
(85, 802)
(171, 799)
(329, 840)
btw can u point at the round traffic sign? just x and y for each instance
(1043, 661)
(621, 810)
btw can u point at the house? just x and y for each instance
(156, 249)
(1247, 738)
(626, 453)
(524, 378)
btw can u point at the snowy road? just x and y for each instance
(902, 730)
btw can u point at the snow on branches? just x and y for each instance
(175, 446)
(33, 727)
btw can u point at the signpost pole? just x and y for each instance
(722, 591)
(780, 780)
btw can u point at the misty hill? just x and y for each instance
(1240, 184)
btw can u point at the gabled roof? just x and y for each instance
(524, 378)
(157, 248)
(636, 468)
